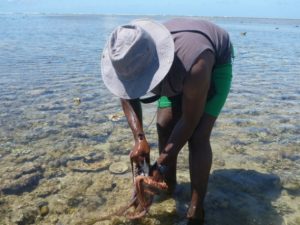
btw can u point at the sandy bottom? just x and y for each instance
(254, 180)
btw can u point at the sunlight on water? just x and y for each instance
(61, 130)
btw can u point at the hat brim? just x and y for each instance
(145, 82)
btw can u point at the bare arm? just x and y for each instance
(195, 91)
(133, 112)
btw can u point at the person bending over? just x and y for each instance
(187, 65)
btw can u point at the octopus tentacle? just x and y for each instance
(145, 187)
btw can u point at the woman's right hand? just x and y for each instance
(141, 151)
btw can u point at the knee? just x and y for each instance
(163, 128)
(162, 124)
(165, 121)
(200, 143)
(200, 138)
(200, 149)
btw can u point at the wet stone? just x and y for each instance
(44, 210)
(118, 168)
(219, 162)
(76, 101)
(116, 116)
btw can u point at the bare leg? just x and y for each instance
(200, 160)
(166, 120)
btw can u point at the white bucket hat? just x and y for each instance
(136, 58)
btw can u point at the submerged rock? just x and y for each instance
(27, 158)
(17, 181)
(94, 157)
(43, 209)
(64, 160)
(116, 116)
(81, 166)
(118, 168)
(25, 183)
(77, 101)
(25, 216)
(47, 188)
(291, 185)
(75, 201)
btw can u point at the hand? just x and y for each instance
(140, 151)
(157, 172)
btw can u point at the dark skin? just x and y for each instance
(178, 126)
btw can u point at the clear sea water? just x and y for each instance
(47, 62)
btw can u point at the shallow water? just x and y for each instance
(47, 63)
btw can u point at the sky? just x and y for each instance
(230, 8)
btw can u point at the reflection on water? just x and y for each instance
(60, 129)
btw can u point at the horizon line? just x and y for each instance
(121, 14)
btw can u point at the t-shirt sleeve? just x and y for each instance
(190, 47)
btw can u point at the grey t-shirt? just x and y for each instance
(191, 38)
(189, 44)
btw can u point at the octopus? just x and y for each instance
(144, 189)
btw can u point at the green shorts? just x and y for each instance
(221, 78)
